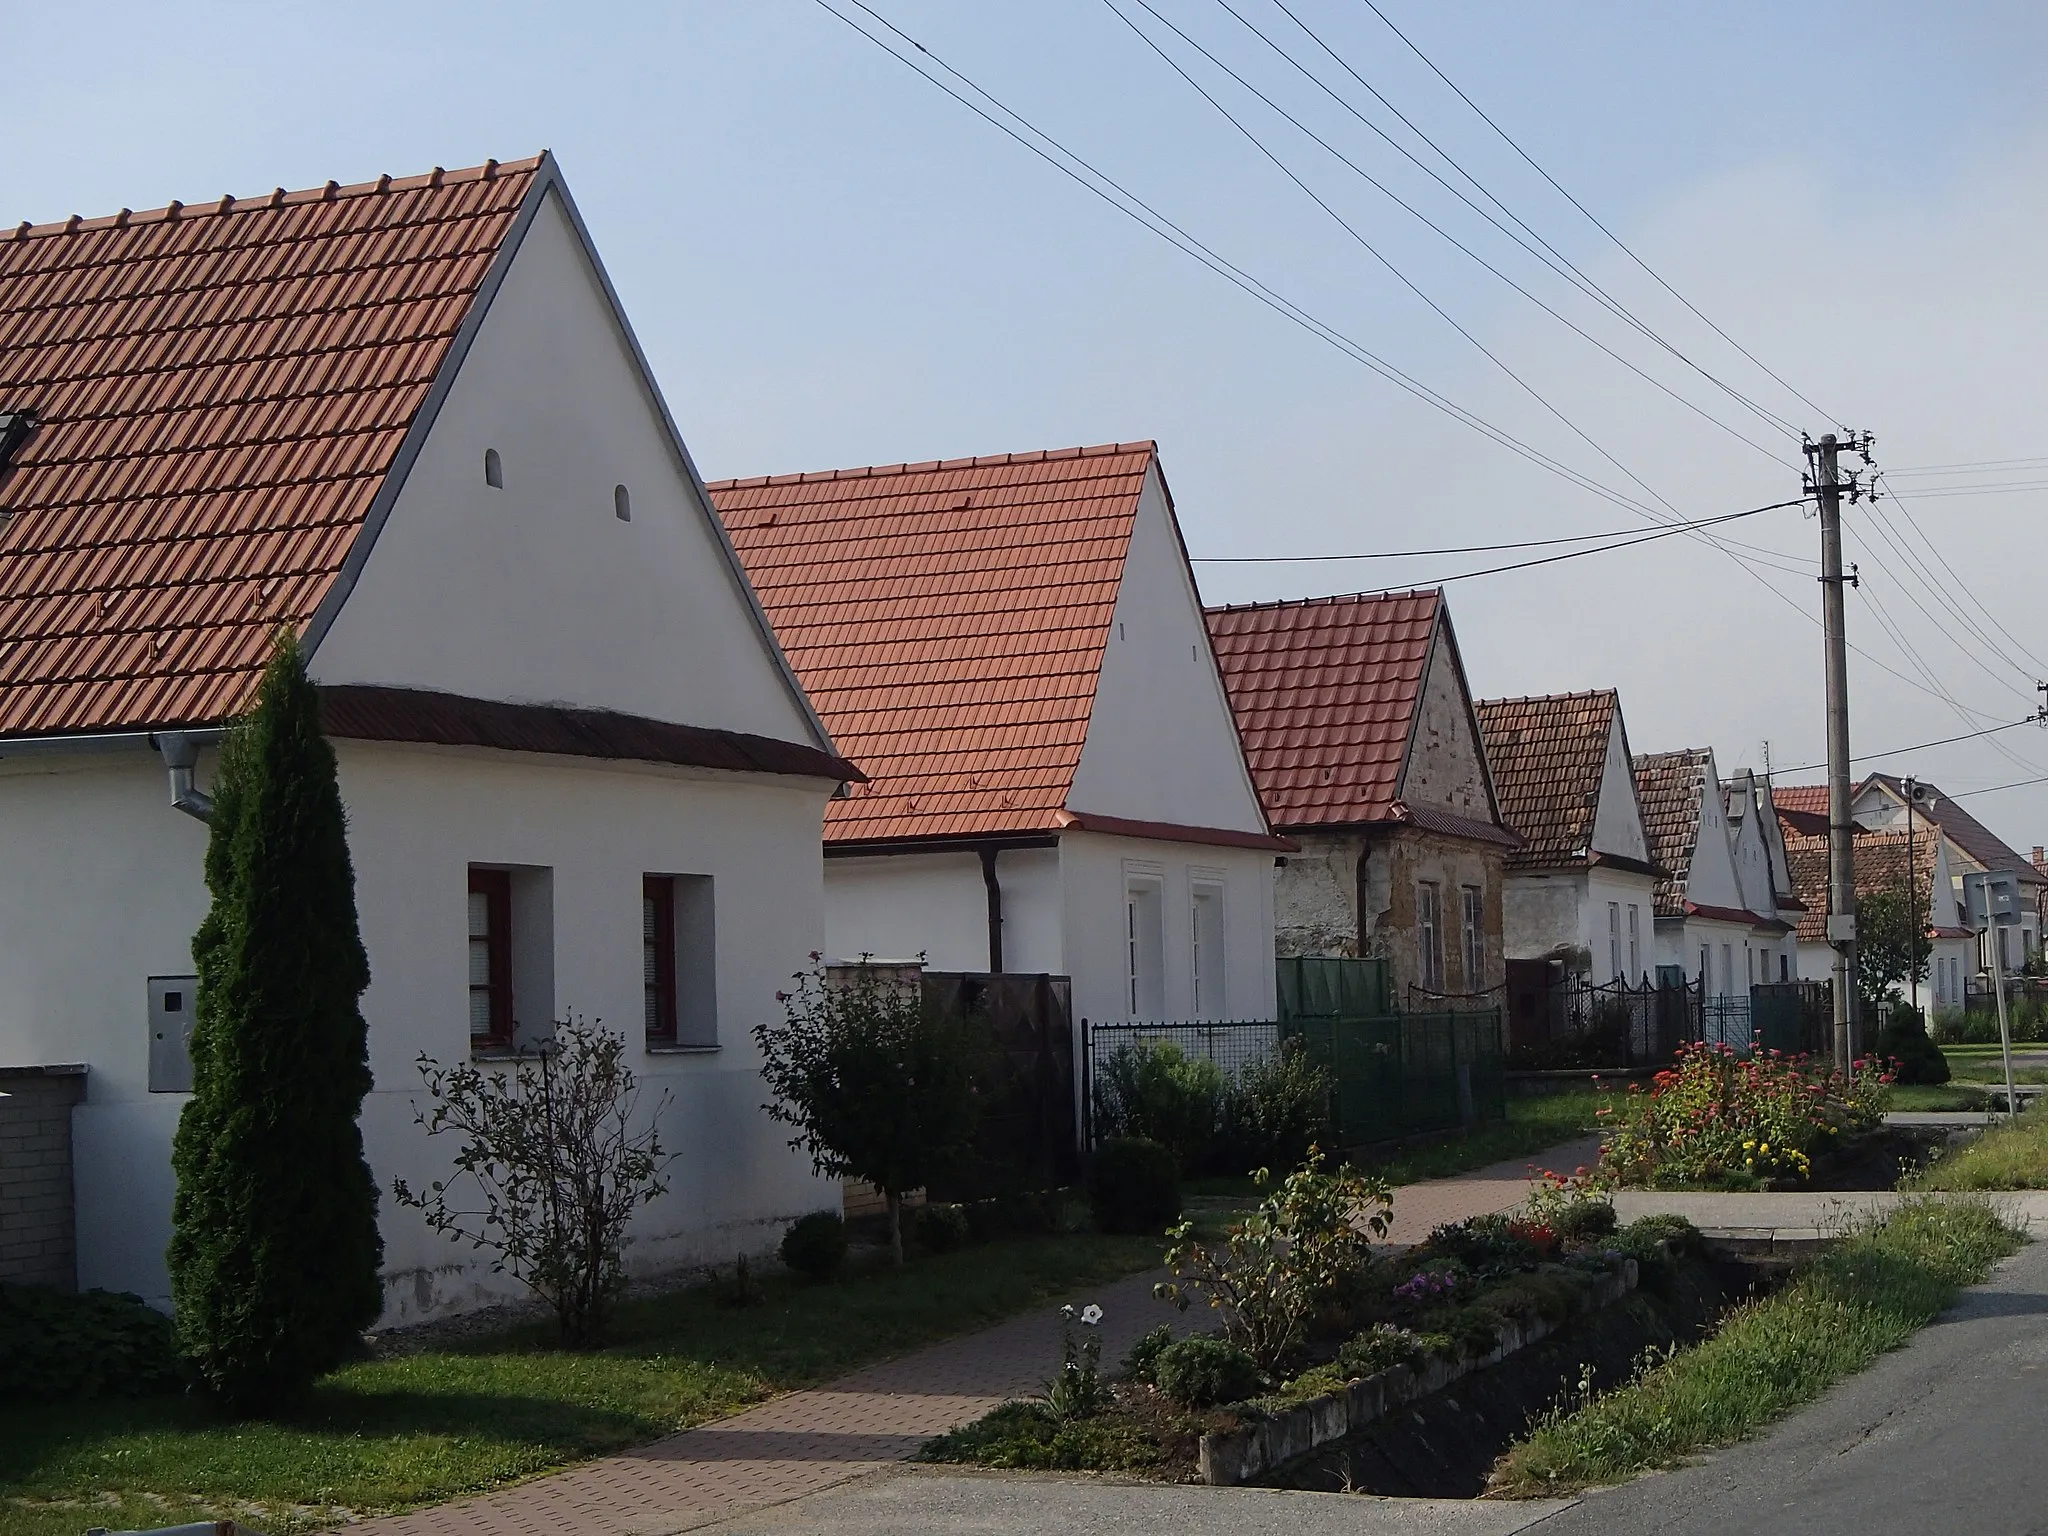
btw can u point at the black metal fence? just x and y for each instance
(1566, 1022)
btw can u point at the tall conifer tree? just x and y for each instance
(274, 1245)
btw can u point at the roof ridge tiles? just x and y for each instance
(934, 466)
(275, 200)
(1331, 601)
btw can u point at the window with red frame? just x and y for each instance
(658, 955)
(490, 959)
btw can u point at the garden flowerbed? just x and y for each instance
(1320, 1331)
(1716, 1120)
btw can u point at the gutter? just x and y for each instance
(988, 852)
(180, 751)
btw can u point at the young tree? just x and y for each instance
(558, 1166)
(1891, 947)
(878, 1086)
(274, 1244)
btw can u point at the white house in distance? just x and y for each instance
(1582, 886)
(408, 418)
(1013, 649)
(1882, 861)
(1706, 928)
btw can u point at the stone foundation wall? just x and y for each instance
(38, 1237)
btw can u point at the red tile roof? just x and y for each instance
(1325, 692)
(1548, 755)
(948, 620)
(1669, 786)
(1880, 864)
(1808, 799)
(220, 391)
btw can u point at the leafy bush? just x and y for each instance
(1458, 1331)
(877, 1085)
(1026, 1211)
(1377, 1349)
(1205, 1370)
(1487, 1245)
(1720, 1120)
(556, 1162)
(942, 1228)
(1905, 1042)
(57, 1345)
(274, 1248)
(1155, 1092)
(815, 1245)
(1307, 1241)
(1275, 1109)
(1133, 1186)
(1948, 1026)
(1142, 1360)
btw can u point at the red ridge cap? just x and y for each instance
(279, 198)
(935, 466)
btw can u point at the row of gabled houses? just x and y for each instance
(621, 743)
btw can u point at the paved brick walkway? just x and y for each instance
(805, 1441)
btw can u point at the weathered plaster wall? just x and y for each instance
(1618, 819)
(1540, 912)
(1446, 766)
(1317, 901)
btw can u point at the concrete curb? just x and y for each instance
(1232, 1456)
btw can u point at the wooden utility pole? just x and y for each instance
(1826, 483)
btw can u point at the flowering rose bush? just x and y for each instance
(1718, 1119)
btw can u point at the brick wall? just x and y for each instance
(37, 1241)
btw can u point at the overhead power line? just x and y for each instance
(1142, 213)
(1921, 746)
(1630, 535)
(1964, 794)
(1619, 243)
(1549, 255)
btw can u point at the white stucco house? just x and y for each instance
(1718, 918)
(409, 419)
(1883, 860)
(1581, 889)
(1013, 649)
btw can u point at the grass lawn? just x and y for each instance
(1990, 1068)
(1925, 1096)
(393, 1433)
(1534, 1124)
(2011, 1156)
(1862, 1298)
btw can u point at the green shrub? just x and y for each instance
(1906, 1041)
(58, 1345)
(1276, 1109)
(1133, 1186)
(942, 1228)
(1458, 1331)
(1155, 1092)
(1377, 1349)
(1031, 1436)
(815, 1245)
(1585, 1220)
(274, 1248)
(1205, 1370)
(1948, 1026)
(1141, 1362)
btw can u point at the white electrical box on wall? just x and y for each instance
(170, 1033)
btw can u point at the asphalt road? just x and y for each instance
(1943, 1436)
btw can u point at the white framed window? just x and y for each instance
(1613, 941)
(1472, 935)
(1429, 934)
(511, 965)
(678, 949)
(1144, 945)
(1205, 934)
(1635, 942)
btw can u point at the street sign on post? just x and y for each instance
(1992, 900)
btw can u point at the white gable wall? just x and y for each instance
(537, 593)
(1711, 880)
(1162, 744)
(1618, 819)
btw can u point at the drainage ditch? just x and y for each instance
(1444, 1445)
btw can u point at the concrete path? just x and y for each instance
(912, 1501)
(1942, 1436)
(806, 1441)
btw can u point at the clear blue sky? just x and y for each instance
(832, 264)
